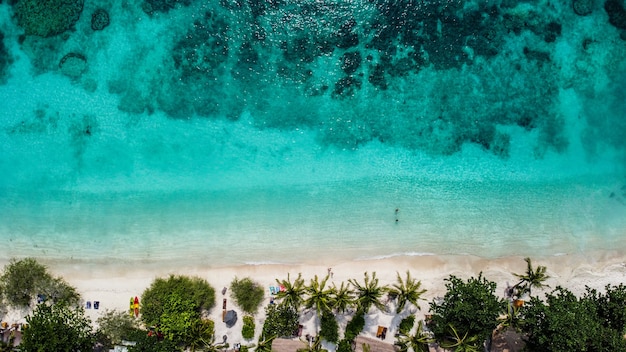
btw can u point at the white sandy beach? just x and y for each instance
(113, 285)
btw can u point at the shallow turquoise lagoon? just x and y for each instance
(230, 132)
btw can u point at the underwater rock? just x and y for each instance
(99, 19)
(5, 59)
(345, 36)
(152, 6)
(552, 31)
(377, 77)
(46, 18)
(346, 86)
(617, 13)
(73, 65)
(350, 62)
(582, 7)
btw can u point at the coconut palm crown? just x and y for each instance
(319, 296)
(406, 291)
(533, 278)
(343, 298)
(291, 293)
(369, 293)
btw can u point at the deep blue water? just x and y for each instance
(271, 130)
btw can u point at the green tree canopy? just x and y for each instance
(329, 329)
(57, 327)
(280, 321)
(247, 331)
(193, 289)
(566, 323)
(471, 308)
(115, 326)
(611, 306)
(23, 280)
(175, 305)
(247, 294)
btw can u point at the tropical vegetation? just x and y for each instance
(57, 327)
(114, 326)
(175, 305)
(464, 319)
(247, 294)
(468, 312)
(23, 282)
(532, 278)
(406, 291)
(247, 331)
(369, 293)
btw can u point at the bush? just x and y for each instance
(175, 305)
(471, 308)
(248, 327)
(406, 324)
(145, 342)
(567, 323)
(247, 294)
(22, 280)
(355, 326)
(329, 329)
(280, 321)
(115, 326)
(57, 328)
(197, 291)
(344, 345)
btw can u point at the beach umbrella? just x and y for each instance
(231, 318)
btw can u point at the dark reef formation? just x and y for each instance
(617, 13)
(428, 75)
(153, 6)
(583, 7)
(99, 19)
(73, 65)
(5, 59)
(46, 18)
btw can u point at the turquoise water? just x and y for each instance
(287, 131)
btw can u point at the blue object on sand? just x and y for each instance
(96, 304)
(88, 305)
(41, 298)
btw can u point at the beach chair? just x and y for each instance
(382, 332)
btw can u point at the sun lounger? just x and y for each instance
(382, 332)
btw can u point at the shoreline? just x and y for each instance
(113, 284)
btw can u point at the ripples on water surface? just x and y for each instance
(270, 130)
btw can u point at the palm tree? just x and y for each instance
(369, 293)
(313, 345)
(291, 292)
(342, 298)
(462, 344)
(532, 278)
(202, 336)
(264, 345)
(418, 342)
(319, 297)
(212, 346)
(406, 291)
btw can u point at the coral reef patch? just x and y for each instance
(46, 18)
